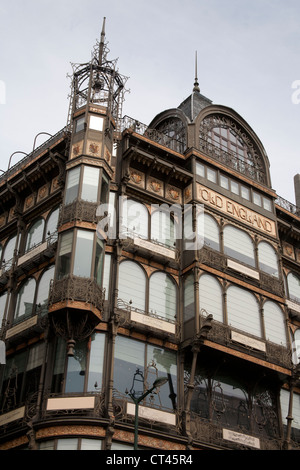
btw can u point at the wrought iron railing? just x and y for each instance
(288, 206)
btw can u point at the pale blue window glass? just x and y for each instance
(132, 284)
(162, 296)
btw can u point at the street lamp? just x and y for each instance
(138, 397)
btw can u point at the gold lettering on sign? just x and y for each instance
(236, 210)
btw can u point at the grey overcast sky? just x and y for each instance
(248, 59)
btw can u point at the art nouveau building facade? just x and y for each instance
(131, 252)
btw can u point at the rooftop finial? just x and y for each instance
(196, 84)
(101, 45)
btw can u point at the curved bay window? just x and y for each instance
(80, 253)
(157, 297)
(84, 182)
(238, 245)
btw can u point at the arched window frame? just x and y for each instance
(29, 285)
(164, 315)
(209, 219)
(248, 324)
(249, 260)
(42, 309)
(275, 334)
(209, 305)
(268, 268)
(292, 296)
(29, 245)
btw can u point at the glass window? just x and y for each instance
(224, 181)
(0, 253)
(257, 198)
(3, 299)
(96, 123)
(72, 185)
(25, 297)
(238, 245)
(243, 311)
(245, 193)
(210, 297)
(104, 197)
(9, 249)
(131, 274)
(64, 254)
(80, 124)
(293, 286)
(234, 186)
(267, 258)
(267, 204)
(90, 444)
(162, 228)
(211, 175)
(129, 356)
(84, 253)
(274, 323)
(76, 368)
(96, 362)
(189, 298)
(43, 291)
(90, 184)
(106, 274)
(52, 222)
(67, 443)
(211, 230)
(162, 296)
(200, 169)
(135, 218)
(99, 259)
(35, 234)
(161, 363)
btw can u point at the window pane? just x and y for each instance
(90, 444)
(80, 124)
(257, 198)
(200, 169)
(165, 366)
(135, 218)
(267, 204)
(162, 296)
(52, 222)
(234, 187)
(24, 305)
(238, 245)
(76, 369)
(96, 123)
(96, 362)
(267, 257)
(64, 255)
(131, 274)
(106, 274)
(294, 286)
(67, 444)
(90, 184)
(210, 296)
(9, 249)
(99, 259)
(104, 190)
(35, 234)
(83, 253)
(72, 185)
(243, 311)
(59, 366)
(274, 323)
(129, 356)
(245, 193)
(211, 175)
(211, 231)
(162, 228)
(2, 307)
(224, 181)
(189, 307)
(43, 291)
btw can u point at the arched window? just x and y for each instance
(51, 227)
(163, 228)
(43, 290)
(274, 323)
(3, 299)
(132, 284)
(25, 299)
(293, 282)
(209, 229)
(162, 296)
(238, 245)
(173, 134)
(243, 311)
(296, 347)
(35, 234)
(267, 257)
(210, 296)
(134, 218)
(9, 248)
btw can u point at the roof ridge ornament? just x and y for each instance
(196, 83)
(102, 44)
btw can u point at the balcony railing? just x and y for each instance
(288, 206)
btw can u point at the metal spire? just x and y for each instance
(101, 45)
(196, 84)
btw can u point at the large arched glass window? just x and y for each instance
(210, 228)
(293, 282)
(243, 311)
(267, 257)
(43, 290)
(35, 234)
(210, 297)
(25, 299)
(238, 245)
(134, 218)
(173, 134)
(51, 227)
(162, 296)
(274, 323)
(132, 284)
(163, 228)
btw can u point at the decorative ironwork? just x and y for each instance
(289, 206)
(76, 288)
(78, 210)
